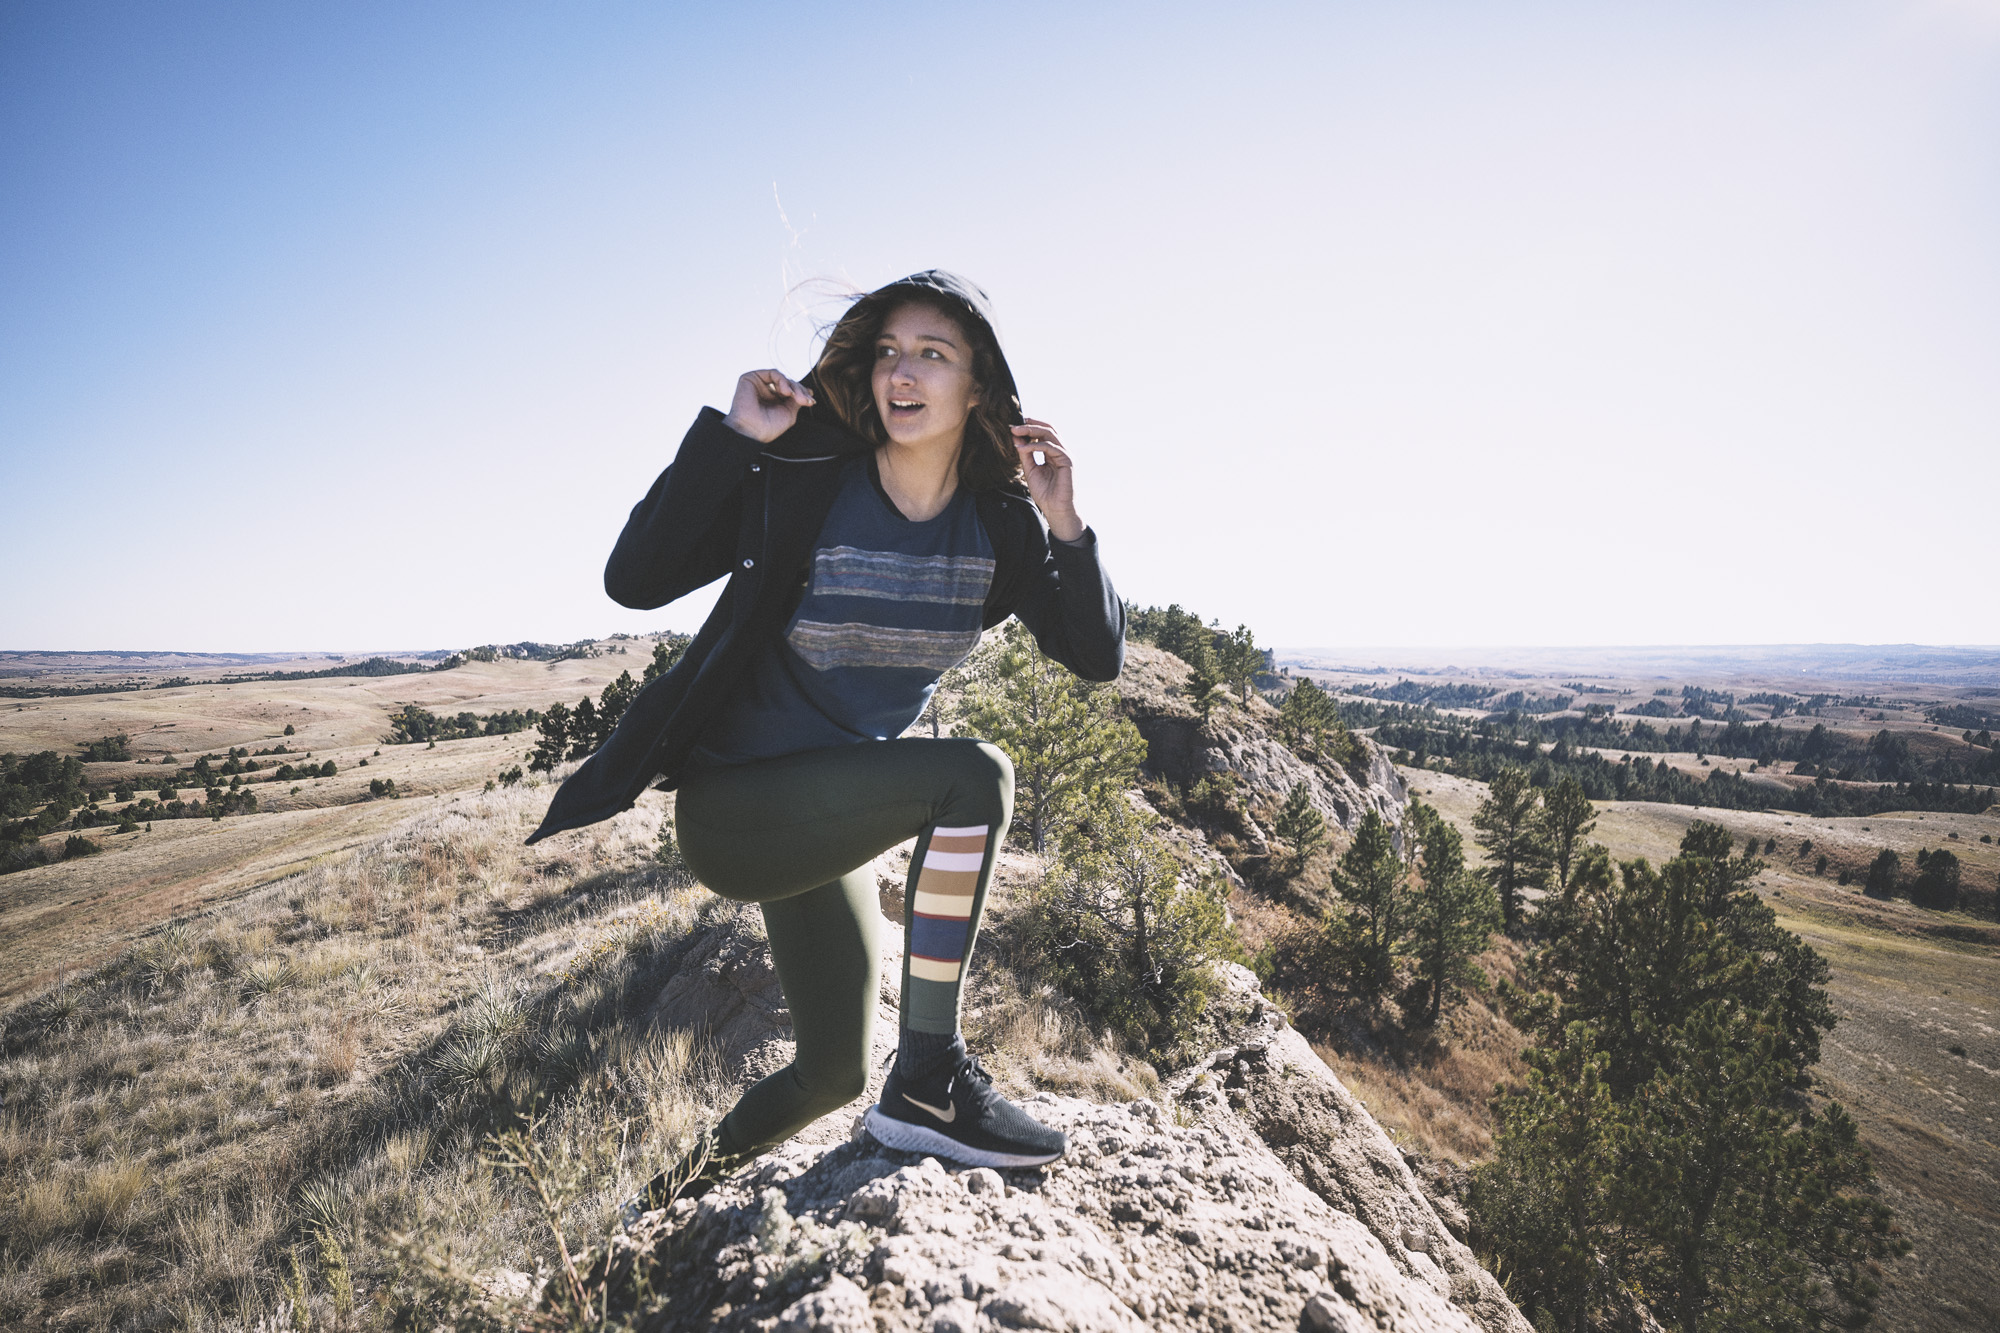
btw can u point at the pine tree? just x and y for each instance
(1204, 683)
(1300, 825)
(1567, 817)
(1938, 875)
(1366, 930)
(1882, 874)
(1542, 1205)
(1241, 659)
(611, 704)
(667, 653)
(583, 729)
(1509, 829)
(553, 747)
(1452, 915)
(1305, 717)
(1072, 750)
(1120, 927)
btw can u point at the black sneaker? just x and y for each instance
(703, 1168)
(955, 1113)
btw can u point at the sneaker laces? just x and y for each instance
(969, 1070)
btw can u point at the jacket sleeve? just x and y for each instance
(683, 534)
(1074, 612)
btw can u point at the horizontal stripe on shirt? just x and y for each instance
(951, 580)
(937, 860)
(825, 646)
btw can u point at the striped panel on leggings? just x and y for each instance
(947, 888)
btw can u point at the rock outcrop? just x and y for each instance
(1146, 1224)
(1259, 1194)
(1182, 748)
(1274, 1085)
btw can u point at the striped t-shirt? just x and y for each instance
(889, 606)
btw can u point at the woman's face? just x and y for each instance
(923, 378)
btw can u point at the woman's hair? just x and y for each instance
(843, 379)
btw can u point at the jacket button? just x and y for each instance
(756, 467)
(748, 563)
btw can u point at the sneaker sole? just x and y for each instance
(906, 1137)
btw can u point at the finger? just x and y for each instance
(1043, 453)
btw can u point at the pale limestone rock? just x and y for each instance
(1146, 1225)
(1275, 1086)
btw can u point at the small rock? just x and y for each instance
(956, 1316)
(1327, 1313)
(985, 1180)
(838, 1307)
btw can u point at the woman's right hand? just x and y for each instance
(766, 405)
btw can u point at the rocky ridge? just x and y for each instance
(1240, 739)
(1257, 1194)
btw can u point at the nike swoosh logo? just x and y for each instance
(949, 1114)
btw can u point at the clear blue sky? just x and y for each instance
(361, 326)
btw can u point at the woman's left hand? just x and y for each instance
(1049, 481)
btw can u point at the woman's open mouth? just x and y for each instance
(904, 407)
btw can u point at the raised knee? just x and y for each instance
(992, 766)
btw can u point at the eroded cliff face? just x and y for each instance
(1256, 1194)
(1241, 740)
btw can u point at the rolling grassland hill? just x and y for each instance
(280, 1073)
(73, 914)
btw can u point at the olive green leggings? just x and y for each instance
(796, 835)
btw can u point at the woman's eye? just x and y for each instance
(884, 352)
(934, 354)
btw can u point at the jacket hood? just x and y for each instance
(965, 297)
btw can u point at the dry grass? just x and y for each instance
(283, 1110)
(1435, 1098)
(277, 1084)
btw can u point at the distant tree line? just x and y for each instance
(68, 691)
(1218, 658)
(1963, 715)
(373, 666)
(1483, 749)
(1520, 702)
(573, 733)
(413, 723)
(1438, 695)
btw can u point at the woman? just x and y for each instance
(872, 520)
